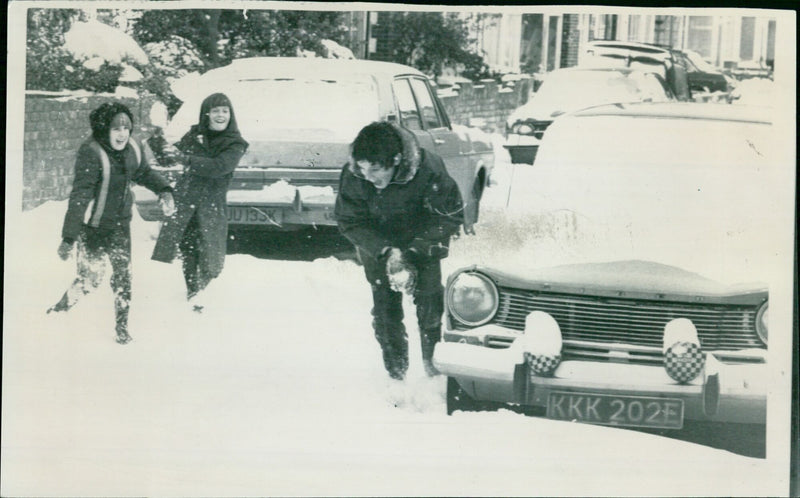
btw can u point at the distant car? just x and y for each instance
(703, 77)
(688, 74)
(300, 115)
(653, 310)
(664, 61)
(567, 90)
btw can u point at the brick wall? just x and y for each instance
(55, 127)
(485, 104)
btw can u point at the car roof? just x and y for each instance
(297, 67)
(606, 69)
(642, 47)
(682, 110)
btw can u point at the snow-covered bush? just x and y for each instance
(50, 66)
(175, 56)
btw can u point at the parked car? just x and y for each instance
(688, 74)
(567, 90)
(643, 56)
(654, 311)
(300, 115)
(703, 77)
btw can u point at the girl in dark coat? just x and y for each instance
(99, 211)
(211, 150)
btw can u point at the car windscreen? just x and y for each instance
(695, 193)
(700, 63)
(572, 90)
(291, 109)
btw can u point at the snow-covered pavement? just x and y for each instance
(278, 389)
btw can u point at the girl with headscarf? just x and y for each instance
(210, 152)
(99, 211)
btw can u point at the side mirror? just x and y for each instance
(392, 118)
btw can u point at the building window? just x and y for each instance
(603, 27)
(633, 27)
(748, 38)
(700, 36)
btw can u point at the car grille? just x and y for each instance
(626, 330)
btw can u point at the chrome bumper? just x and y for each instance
(312, 211)
(722, 392)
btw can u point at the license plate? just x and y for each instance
(252, 215)
(623, 411)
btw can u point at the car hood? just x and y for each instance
(672, 202)
(645, 279)
(548, 110)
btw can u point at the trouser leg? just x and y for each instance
(119, 252)
(429, 301)
(387, 319)
(387, 322)
(189, 247)
(90, 262)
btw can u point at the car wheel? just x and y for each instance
(459, 399)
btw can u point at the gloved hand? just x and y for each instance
(167, 203)
(172, 156)
(402, 275)
(64, 250)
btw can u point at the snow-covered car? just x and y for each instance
(571, 89)
(300, 115)
(653, 309)
(670, 64)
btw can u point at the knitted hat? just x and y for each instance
(100, 118)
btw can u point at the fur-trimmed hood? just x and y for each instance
(411, 158)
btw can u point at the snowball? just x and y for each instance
(542, 335)
(680, 330)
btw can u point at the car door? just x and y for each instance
(410, 116)
(422, 114)
(447, 143)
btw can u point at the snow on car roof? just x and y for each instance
(682, 110)
(298, 67)
(642, 47)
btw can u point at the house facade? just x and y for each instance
(542, 42)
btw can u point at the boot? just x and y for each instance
(123, 338)
(70, 297)
(121, 308)
(395, 362)
(394, 346)
(428, 340)
(61, 305)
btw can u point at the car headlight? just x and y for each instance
(762, 322)
(521, 128)
(472, 298)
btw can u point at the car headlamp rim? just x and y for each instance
(762, 325)
(494, 295)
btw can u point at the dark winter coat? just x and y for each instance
(210, 158)
(102, 198)
(419, 210)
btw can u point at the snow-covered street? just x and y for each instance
(278, 389)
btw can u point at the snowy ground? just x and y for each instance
(278, 389)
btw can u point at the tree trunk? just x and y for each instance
(212, 35)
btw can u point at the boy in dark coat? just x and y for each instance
(99, 212)
(210, 150)
(399, 207)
